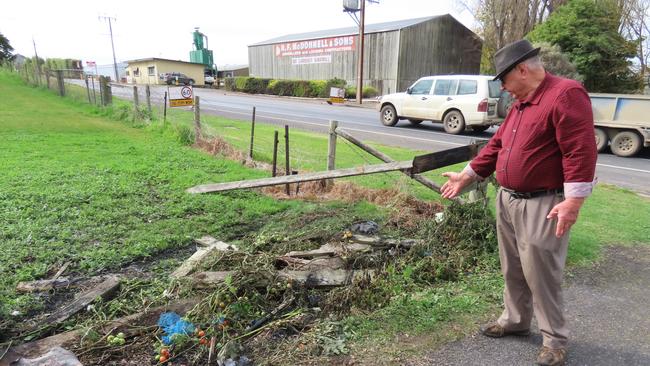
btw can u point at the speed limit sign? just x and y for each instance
(180, 96)
(186, 92)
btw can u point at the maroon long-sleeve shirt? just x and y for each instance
(545, 141)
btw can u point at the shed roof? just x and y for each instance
(159, 59)
(369, 28)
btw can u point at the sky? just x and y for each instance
(163, 29)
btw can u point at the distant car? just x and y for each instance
(177, 78)
(458, 101)
(209, 79)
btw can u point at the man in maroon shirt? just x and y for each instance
(544, 155)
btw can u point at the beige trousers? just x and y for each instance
(532, 263)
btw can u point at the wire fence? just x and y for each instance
(143, 104)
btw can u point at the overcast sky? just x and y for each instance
(72, 29)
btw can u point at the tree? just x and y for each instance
(506, 21)
(587, 31)
(557, 62)
(5, 49)
(635, 26)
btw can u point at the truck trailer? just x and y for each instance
(622, 122)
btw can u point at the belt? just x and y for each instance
(527, 195)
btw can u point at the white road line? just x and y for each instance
(624, 168)
(354, 129)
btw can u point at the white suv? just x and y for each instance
(458, 101)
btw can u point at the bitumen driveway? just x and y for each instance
(608, 309)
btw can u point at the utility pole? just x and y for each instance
(110, 29)
(38, 65)
(360, 65)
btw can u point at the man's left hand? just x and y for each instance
(566, 213)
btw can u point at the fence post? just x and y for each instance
(275, 154)
(148, 93)
(250, 151)
(331, 150)
(165, 109)
(136, 103)
(479, 193)
(88, 90)
(47, 78)
(59, 80)
(94, 94)
(287, 168)
(197, 119)
(105, 87)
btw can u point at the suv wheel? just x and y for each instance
(388, 115)
(454, 122)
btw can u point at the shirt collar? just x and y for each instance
(539, 91)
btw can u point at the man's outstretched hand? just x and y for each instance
(566, 213)
(455, 184)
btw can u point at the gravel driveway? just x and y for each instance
(608, 309)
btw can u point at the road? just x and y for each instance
(363, 122)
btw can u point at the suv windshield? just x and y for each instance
(422, 87)
(495, 88)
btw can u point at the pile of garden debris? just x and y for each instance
(230, 295)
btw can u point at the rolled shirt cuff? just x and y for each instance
(469, 171)
(579, 189)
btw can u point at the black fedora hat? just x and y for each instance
(510, 55)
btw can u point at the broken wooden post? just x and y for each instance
(385, 158)
(287, 170)
(197, 119)
(275, 154)
(190, 264)
(331, 150)
(250, 150)
(148, 95)
(306, 177)
(106, 290)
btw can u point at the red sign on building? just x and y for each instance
(316, 46)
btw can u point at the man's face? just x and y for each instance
(513, 82)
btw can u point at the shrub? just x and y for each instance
(366, 92)
(318, 88)
(351, 92)
(281, 87)
(240, 83)
(369, 92)
(184, 134)
(256, 85)
(229, 84)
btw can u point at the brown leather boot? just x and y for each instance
(494, 330)
(551, 357)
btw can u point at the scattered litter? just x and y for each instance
(15, 313)
(172, 324)
(57, 356)
(366, 228)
